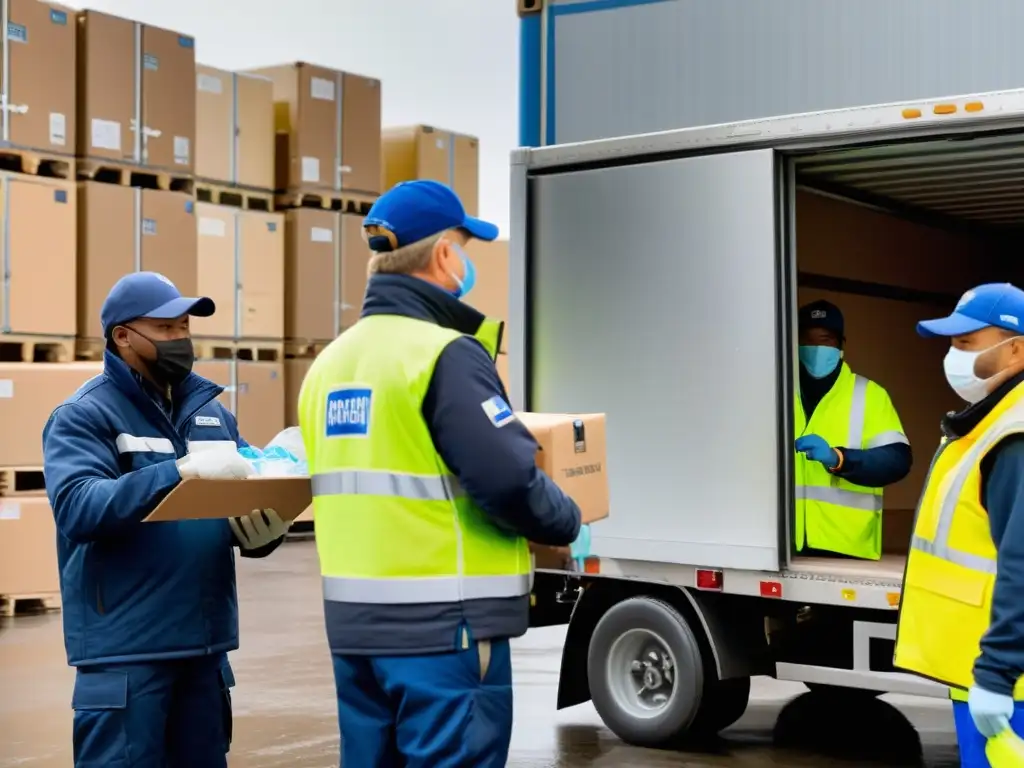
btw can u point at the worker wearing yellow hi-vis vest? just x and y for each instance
(850, 444)
(425, 492)
(961, 616)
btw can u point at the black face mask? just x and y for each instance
(174, 359)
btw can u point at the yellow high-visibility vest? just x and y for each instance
(832, 513)
(392, 524)
(946, 604)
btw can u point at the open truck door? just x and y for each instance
(655, 292)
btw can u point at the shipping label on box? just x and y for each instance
(573, 452)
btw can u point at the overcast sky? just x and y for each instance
(448, 63)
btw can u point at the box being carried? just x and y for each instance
(572, 452)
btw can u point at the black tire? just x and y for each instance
(822, 689)
(669, 725)
(724, 703)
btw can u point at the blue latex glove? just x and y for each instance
(815, 448)
(991, 711)
(580, 549)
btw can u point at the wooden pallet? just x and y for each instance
(35, 163)
(19, 605)
(254, 350)
(303, 348)
(113, 172)
(24, 348)
(89, 349)
(22, 481)
(345, 201)
(234, 197)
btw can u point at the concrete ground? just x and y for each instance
(284, 702)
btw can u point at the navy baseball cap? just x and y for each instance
(994, 304)
(414, 210)
(821, 314)
(149, 295)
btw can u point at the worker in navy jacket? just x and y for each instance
(150, 609)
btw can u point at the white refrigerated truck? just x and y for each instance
(655, 278)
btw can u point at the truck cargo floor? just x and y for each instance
(889, 568)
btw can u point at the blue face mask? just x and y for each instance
(819, 361)
(465, 285)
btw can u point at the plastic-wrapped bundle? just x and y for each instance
(284, 456)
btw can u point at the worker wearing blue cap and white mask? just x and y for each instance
(962, 611)
(150, 609)
(425, 492)
(850, 444)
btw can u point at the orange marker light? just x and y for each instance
(893, 599)
(592, 565)
(944, 109)
(910, 114)
(973, 106)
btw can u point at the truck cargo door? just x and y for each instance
(653, 297)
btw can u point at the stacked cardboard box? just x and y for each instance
(136, 95)
(37, 128)
(425, 152)
(491, 293)
(328, 130)
(28, 394)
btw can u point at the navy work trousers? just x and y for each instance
(161, 714)
(443, 710)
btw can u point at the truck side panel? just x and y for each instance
(621, 67)
(653, 297)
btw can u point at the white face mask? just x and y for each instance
(959, 368)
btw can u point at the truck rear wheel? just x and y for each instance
(646, 672)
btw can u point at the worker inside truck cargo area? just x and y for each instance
(850, 444)
(425, 492)
(961, 618)
(150, 609)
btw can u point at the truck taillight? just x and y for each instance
(592, 565)
(709, 580)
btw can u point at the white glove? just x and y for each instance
(258, 529)
(214, 465)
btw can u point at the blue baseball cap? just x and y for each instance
(414, 210)
(995, 304)
(149, 295)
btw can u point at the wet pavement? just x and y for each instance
(284, 702)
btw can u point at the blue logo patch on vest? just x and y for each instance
(348, 412)
(498, 411)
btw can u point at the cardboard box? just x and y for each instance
(219, 372)
(260, 407)
(39, 225)
(109, 105)
(328, 128)
(295, 370)
(28, 547)
(425, 152)
(124, 229)
(325, 273)
(234, 127)
(490, 294)
(241, 267)
(572, 451)
(28, 394)
(218, 499)
(40, 77)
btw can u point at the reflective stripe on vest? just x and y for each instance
(364, 482)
